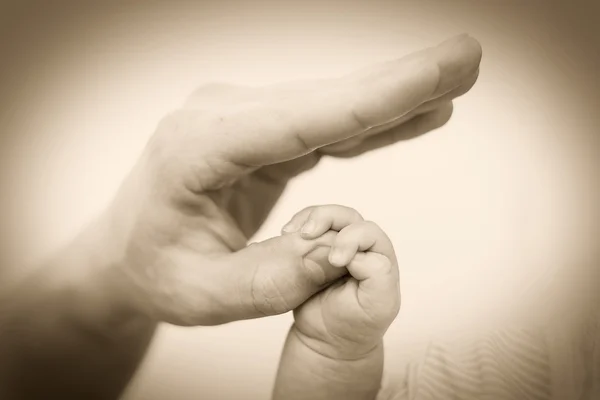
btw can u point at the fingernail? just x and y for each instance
(336, 257)
(308, 227)
(287, 228)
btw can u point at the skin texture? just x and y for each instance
(171, 246)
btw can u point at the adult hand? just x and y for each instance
(214, 169)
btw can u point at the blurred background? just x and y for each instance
(495, 216)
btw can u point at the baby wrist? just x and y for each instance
(342, 350)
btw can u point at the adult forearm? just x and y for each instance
(66, 330)
(307, 374)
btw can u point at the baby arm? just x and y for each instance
(334, 350)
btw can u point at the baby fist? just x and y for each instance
(350, 317)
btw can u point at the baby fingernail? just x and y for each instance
(308, 227)
(336, 257)
(289, 227)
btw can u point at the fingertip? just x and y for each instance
(290, 227)
(308, 230)
(457, 59)
(312, 229)
(464, 39)
(379, 269)
(474, 44)
(297, 221)
(472, 49)
(337, 258)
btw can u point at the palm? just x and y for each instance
(252, 197)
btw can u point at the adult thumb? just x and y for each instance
(277, 275)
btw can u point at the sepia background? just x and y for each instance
(495, 216)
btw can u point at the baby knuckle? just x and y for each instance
(382, 263)
(309, 209)
(350, 211)
(355, 216)
(367, 228)
(317, 213)
(180, 311)
(371, 226)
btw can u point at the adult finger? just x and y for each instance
(266, 278)
(272, 277)
(268, 132)
(417, 126)
(427, 107)
(431, 105)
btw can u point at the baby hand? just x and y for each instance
(349, 318)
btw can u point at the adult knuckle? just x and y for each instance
(315, 274)
(357, 112)
(267, 298)
(277, 115)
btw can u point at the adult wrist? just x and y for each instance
(89, 276)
